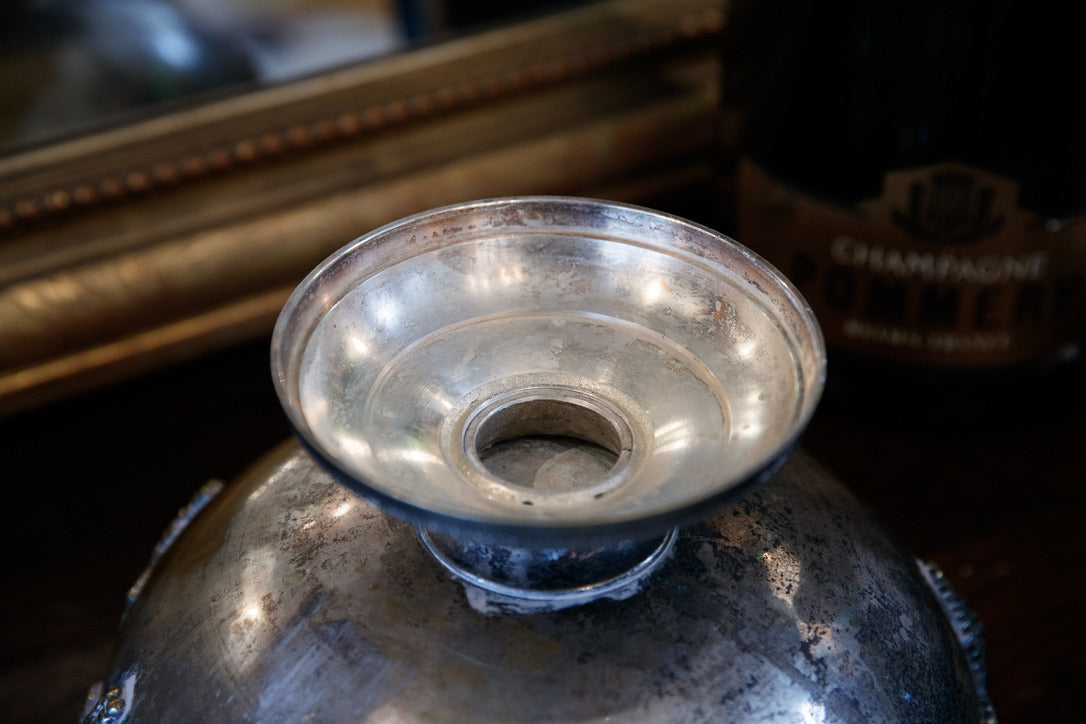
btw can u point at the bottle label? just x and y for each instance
(943, 270)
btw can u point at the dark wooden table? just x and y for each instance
(993, 493)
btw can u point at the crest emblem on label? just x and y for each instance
(941, 269)
(949, 204)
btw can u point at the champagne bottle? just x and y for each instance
(919, 171)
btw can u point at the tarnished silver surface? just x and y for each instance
(533, 580)
(289, 598)
(111, 706)
(683, 358)
(200, 498)
(967, 628)
(546, 388)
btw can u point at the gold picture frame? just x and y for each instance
(137, 246)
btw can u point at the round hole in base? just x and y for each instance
(547, 444)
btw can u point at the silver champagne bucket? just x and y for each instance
(543, 472)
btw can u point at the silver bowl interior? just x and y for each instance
(551, 369)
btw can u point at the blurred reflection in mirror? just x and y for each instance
(73, 65)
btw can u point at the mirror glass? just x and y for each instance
(71, 66)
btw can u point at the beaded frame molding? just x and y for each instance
(133, 247)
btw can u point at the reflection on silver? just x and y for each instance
(392, 350)
(200, 498)
(451, 355)
(112, 706)
(522, 580)
(967, 628)
(790, 606)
